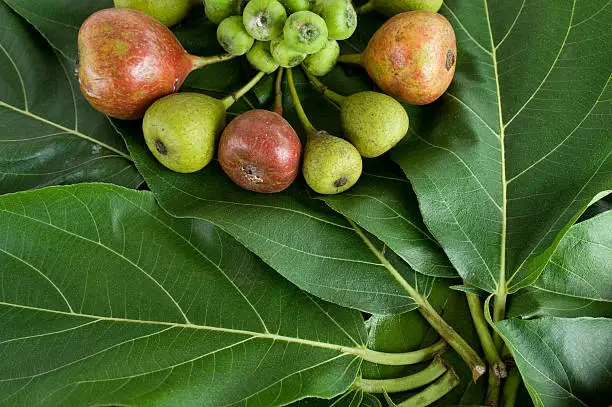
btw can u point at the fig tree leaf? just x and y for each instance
(507, 160)
(563, 362)
(577, 281)
(48, 132)
(107, 300)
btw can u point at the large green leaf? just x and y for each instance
(48, 132)
(577, 281)
(520, 144)
(107, 300)
(564, 362)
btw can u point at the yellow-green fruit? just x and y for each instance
(218, 10)
(233, 37)
(168, 12)
(373, 122)
(331, 165)
(180, 130)
(393, 7)
(322, 62)
(284, 55)
(260, 57)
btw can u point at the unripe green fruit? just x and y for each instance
(180, 130)
(168, 12)
(339, 15)
(373, 122)
(218, 10)
(393, 7)
(284, 55)
(305, 32)
(331, 165)
(233, 37)
(260, 57)
(264, 19)
(296, 5)
(322, 62)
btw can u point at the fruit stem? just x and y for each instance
(200, 62)
(413, 381)
(446, 331)
(234, 96)
(278, 92)
(433, 392)
(496, 365)
(405, 358)
(298, 105)
(350, 59)
(366, 8)
(511, 387)
(322, 88)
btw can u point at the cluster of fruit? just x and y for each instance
(284, 33)
(131, 66)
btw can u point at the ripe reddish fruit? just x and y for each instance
(260, 151)
(128, 59)
(412, 56)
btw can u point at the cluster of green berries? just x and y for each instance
(284, 33)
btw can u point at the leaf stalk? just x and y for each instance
(435, 369)
(511, 386)
(278, 92)
(433, 392)
(401, 359)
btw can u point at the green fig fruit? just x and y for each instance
(181, 129)
(264, 19)
(323, 61)
(305, 32)
(284, 55)
(260, 57)
(233, 37)
(373, 122)
(168, 12)
(393, 7)
(339, 15)
(331, 165)
(296, 5)
(219, 10)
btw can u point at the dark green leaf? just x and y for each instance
(564, 362)
(107, 300)
(603, 205)
(520, 144)
(48, 132)
(577, 281)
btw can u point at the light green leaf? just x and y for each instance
(564, 362)
(107, 300)
(520, 144)
(48, 132)
(577, 281)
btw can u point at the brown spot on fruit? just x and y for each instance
(252, 174)
(161, 147)
(340, 182)
(450, 59)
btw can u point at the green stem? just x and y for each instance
(322, 88)
(493, 389)
(200, 62)
(433, 392)
(484, 334)
(405, 358)
(298, 105)
(511, 387)
(278, 92)
(499, 312)
(414, 381)
(429, 313)
(350, 59)
(234, 96)
(366, 8)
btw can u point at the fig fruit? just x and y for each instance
(284, 55)
(219, 10)
(339, 15)
(323, 61)
(411, 57)
(260, 58)
(168, 12)
(233, 37)
(128, 59)
(296, 5)
(393, 7)
(264, 19)
(305, 32)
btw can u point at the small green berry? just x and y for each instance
(233, 37)
(284, 55)
(264, 19)
(218, 10)
(296, 5)
(260, 57)
(322, 62)
(305, 32)
(339, 15)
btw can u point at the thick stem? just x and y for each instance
(366, 8)
(511, 387)
(484, 334)
(278, 92)
(298, 105)
(405, 358)
(414, 381)
(499, 312)
(433, 392)
(200, 62)
(447, 332)
(234, 96)
(350, 59)
(322, 88)
(493, 389)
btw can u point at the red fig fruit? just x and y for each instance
(128, 59)
(411, 57)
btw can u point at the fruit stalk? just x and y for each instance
(366, 8)
(310, 129)
(350, 59)
(322, 88)
(278, 92)
(200, 62)
(230, 99)
(434, 392)
(435, 369)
